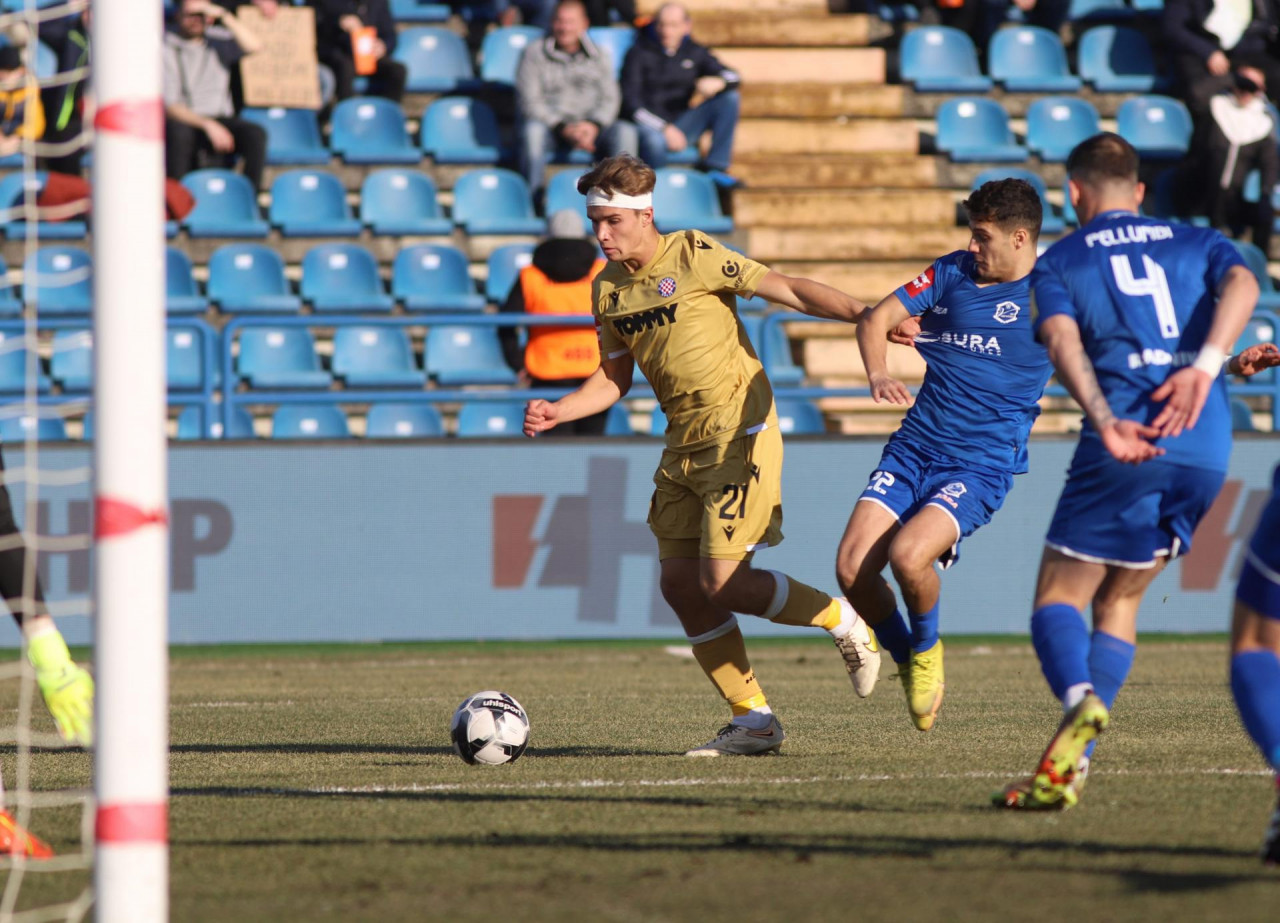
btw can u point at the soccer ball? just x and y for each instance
(489, 728)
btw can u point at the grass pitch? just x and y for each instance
(317, 783)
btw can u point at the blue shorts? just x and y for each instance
(1130, 515)
(1259, 587)
(910, 477)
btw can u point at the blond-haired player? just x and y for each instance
(666, 302)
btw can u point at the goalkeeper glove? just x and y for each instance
(67, 688)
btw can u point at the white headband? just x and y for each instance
(597, 196)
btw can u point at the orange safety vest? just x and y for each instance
(554, 353)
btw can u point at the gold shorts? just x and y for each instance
(724, 501)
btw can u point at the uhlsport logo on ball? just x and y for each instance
(489, 729)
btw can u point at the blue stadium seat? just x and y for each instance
(617, 40)
(184, 355)
(940, 59)
(562, 193)
(684, 198)
(71, 363)
(437, 60)
(10, 303)
(456, 129)
(190, 423)
(976, 129)
(799, 417)
(505, 264)
(280, 357)
(1068, 210)
(16, 429)
(1114, 59)
(776, 353)
(1256, 260)
(402, 421)
(1261, 328)
(417, 11)
(343, 278)
(657, 422)
(1029, 59)
(309, 421)
(249, 278)
(309, 203)
(368, 129)
(181, 296)
(494, 201)
(402, 202)
(1056, 124)
(488, 419)
(1159, 127)
(500, 53)
(59, 279)
(375, 357)
(13, 368)
(293, 135)
(1241, 417)
(617, 421)
(1147, 6)
(428, 277)
(226, 206)
(1050, 223)
(465, 355)
(12, 186)
(1098, 10)
(239, 424)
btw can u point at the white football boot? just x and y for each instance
(859, 648)
(739, 740)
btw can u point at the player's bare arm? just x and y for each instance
(1185, 390)
(1127, 440)
(605, 387)
(873, 329)
(810, 297)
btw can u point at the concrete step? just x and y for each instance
(822, 100)
(806, 65)
(852, 30)
(763, 170)
(854, 244)
(820, 136)
(838, 358)
(841, 208)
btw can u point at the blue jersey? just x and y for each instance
(986, 371)
(1143, 292)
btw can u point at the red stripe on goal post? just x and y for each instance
(133, 823)
(113, 518)
(141, 118)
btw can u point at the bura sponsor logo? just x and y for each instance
(974, 342)
(1161, 357)
(645, 320)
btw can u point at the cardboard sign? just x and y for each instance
(283, 73)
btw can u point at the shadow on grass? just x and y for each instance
(399, 749)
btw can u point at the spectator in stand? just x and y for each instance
(566, 97)
(557, 281)
(338, 23)
(69, 39)
(1237, 138)
(1207, 38)
(269, 10)
(665, 72)
(21, 114)
(199, 115)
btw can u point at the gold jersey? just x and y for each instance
(677, 317)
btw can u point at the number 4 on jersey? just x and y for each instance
(1154, 284)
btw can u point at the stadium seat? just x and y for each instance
(562, 193)
(684, 198)
(1241, 417)
(494, 201)
(190, 423)
(460, 130)
(1098, 10)
(416, 11)
(13, 368)
(59, 279)
(505, 264)
(402, 421)
(1056, 124)
(10, 303)
(71, 363)
(375, 357)
(657, 422)
(280, 357)
(487, 419)
(1147, 6)
(368, 129)
(1050, 223)
(1261, 328)
(976, 129)
(310, 203)
(1159, 127)
(12, 187)
(293, 135)
(466, 355)
(226, 206)
(249, 278)
(402, 202)
(617, 421)
(940, 59)
(775, 355)
(181, 296)
(617, 40)
(16, 429)
(1256, 260)
(309, 421)
(799, 417)
(436, 59)
(427, 277)
(1114, 59)
(500, 53)
(343, 278)
(239, 424)
(184, 355)
(1029, 59)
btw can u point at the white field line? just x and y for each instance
(264, 704)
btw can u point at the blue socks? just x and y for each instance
(1061, 640)
(1255, 683)
(924, 628)
(894, 636)
(1109, 661)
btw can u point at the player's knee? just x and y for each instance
(678, 590)
(908, 557)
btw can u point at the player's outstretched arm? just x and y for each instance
(1185, 390)
(873, 330)
(604, 388)
(1257, 358)
(1127, 440)
(810, 297)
